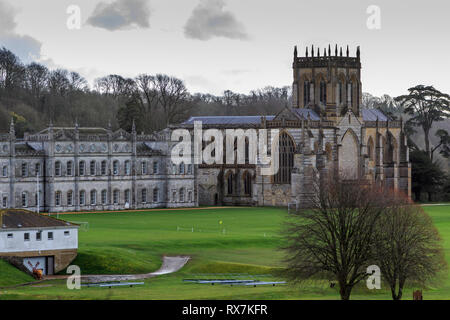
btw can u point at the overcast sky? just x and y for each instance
(214, 45)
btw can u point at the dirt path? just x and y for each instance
(169, 265)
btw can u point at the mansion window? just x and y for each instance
(155, 167)
(92, 168)
(93, 197)
(182, 195)
(340, 92)
(24, 170)
(37, 169)
(69, 168)
(58, 198)
(38, 236)
(127, 196)
(182, 168)
(24, 199)
(26, 236)
(104, 198)
(82, 198)
(57, 169)
(103, 168)
(81, 168)
(174, 196)
(70, 198)
(116, 195)
(50, 235)
(127, 168)
(143, 167)
(116, 167)
(5, 171)
(189, 170)
(190, 196)
(144, 195)
(155, 195)
(5, 202)
(286, 159)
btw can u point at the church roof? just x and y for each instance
(304, 112)
(373, 115)
(224, 120)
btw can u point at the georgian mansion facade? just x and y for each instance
(324, 132)
(80, 169)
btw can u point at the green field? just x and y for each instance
(247, 241)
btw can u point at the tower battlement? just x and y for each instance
(328, 56)
(328, 82)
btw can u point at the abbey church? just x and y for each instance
(325, 131)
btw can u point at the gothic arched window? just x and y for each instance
(323, 92)
(286, 159)
(230, 183)
(306, 92)
(247, 183)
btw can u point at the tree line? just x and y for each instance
(34, 96)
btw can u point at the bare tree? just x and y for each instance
(77, 82)
(335, 236)
(116, 85)
(36, 77)
(11, 70)
(172, 96)
(146, 86)
(407, 245)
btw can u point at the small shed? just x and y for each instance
(35, 241)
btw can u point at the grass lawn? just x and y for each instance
(246, 241)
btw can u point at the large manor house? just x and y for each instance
(323, 132)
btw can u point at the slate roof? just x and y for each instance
(304, 112)
(227, 119)
(14, 219)
(373, 115)
(71, 130)
(28, 147)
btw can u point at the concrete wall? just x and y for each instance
(18, 244)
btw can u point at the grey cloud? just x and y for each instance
(209, 19)
(7, 14)
(121, 14)
(25, 47)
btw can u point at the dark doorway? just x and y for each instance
(216, 199)
(50, 265)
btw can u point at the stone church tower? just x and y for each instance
(329, 84)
